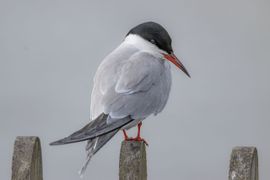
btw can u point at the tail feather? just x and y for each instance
(95, 128)
(98, 132)
(94, 145)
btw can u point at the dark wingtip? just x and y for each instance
(53, 143)
(59, 142)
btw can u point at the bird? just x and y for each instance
(131, 83)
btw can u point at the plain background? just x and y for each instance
(50, 49)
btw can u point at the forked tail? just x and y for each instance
(97, 133)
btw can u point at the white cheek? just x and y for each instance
(143, 44)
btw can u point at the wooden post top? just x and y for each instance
(133, 165)
(244, 164)
(27, 161)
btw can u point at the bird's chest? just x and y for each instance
(162, 89)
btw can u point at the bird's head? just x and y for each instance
(160, 39)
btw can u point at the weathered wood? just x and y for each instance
(27, 161)
(132, 165)
(244, 164)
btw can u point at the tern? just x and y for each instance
(131, 83)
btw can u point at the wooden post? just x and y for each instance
(244, 164)
(27, 161)
(132, 165)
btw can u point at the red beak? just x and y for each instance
(171, 57)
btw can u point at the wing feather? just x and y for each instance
(132, 86)
(140, 72)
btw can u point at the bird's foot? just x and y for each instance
(138, 138)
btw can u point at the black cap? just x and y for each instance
(154, 33)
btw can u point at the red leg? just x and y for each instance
(139, 130)
(125, 134)
(138, 137)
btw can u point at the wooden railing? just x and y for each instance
(27, 161)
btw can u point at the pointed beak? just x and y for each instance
(171, 57)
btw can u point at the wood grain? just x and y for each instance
(27, 160)
(244, 164)
(133, 165)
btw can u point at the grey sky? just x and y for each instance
(49, 51)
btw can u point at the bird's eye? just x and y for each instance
(153, 41)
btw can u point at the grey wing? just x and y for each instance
(128, 86)
(140, 88)
(106, 77)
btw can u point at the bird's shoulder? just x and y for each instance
(127, 54)
(126, 62)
